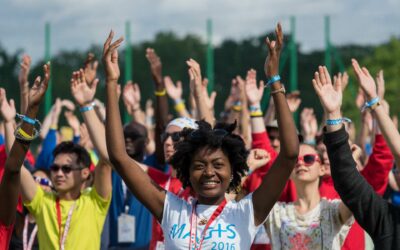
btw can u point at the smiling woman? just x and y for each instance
(209, 160)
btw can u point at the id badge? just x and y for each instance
(160, 245)
(126, 228)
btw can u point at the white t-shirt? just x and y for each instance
(233, 229)
(319, 228)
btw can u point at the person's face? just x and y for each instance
(134, 148)
(327, 165)
(43, 180)
(210, 174)
(273, 135)
(168, 143)
(308, 167)
(66, 174)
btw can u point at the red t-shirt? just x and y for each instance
(173, 185)
(3, 158)
(5, 235)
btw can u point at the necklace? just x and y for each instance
(203, 221)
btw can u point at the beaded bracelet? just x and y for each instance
(280, 90)
(21, 135)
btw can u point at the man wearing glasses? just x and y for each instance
(65, 217)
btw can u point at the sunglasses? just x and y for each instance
(43, 181)
(66, 169)
(309, 159)
(175, 136)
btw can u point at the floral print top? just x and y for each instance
(319, 228)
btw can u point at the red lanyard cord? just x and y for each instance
(193, 224)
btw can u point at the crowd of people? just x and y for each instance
(246, 179)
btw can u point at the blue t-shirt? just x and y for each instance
(143, 217)
(151, 160)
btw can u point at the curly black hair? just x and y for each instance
(219, 137)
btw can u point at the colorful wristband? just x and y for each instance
(160, 93)
(254, 108)
(256, 114)
(87, 108)
(272, 80)
(180, 106)
(337, 121)
(371, 104)
(27, 119)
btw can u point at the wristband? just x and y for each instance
(280, 90)
(311, 142)
(21, 135)
(179, 106)
(371, 104)
(24, 134)
(160, 93)
(272, 80)
(87, 108)
(28, 119)
(254, 108)
(258, 113)
(237, 108)
(337, 121)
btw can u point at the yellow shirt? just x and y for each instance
(86, 222)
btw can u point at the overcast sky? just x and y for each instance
(76, 24)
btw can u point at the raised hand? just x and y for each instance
(365, 80)
(80, 90)
(110, 58)
(293, 100)
(345, 80)
(72, 121)
(308, 123)
(271, 66)
(195, 77)
(24, 72)
(68, 104)
(149, 108)
(7, 109)
(57, 107)
(254, 94)
(174, 92)
(329, 95)
(380, 82)
(131, 95)
(360, 99)
(257, 158)
(155, 65)
(90, 68)
(39, 88)
(208, 99)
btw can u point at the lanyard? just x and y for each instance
(67, 223)
(28, 244)
(193, 224)
(168, 184)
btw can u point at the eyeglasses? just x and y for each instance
(175, 136)
(66, 169)
(43, 181)
(309, 159)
